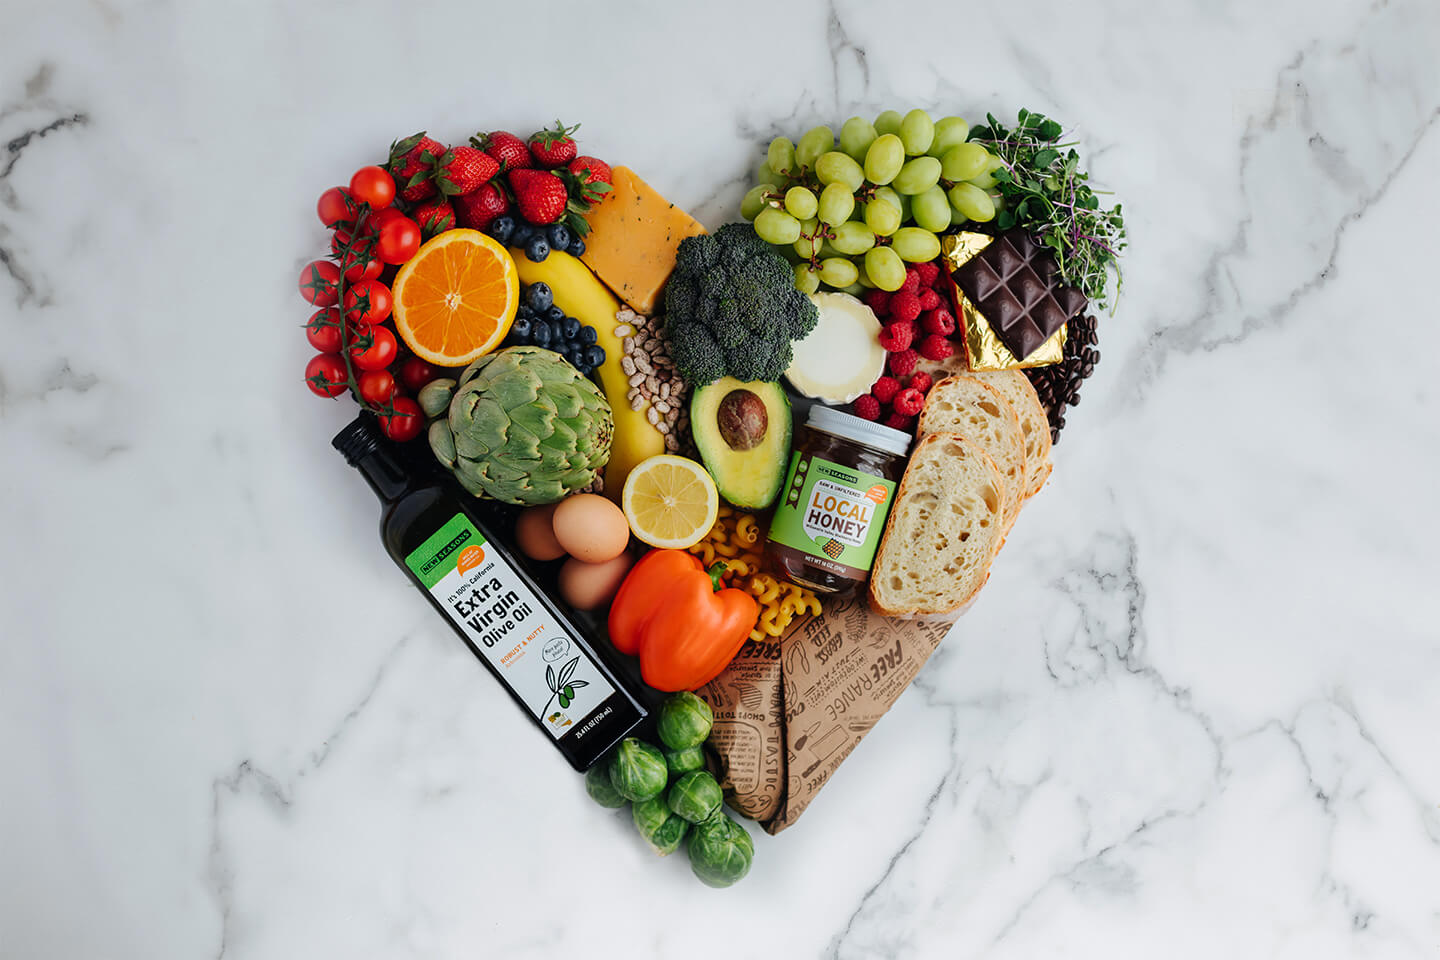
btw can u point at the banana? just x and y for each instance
(581, 295)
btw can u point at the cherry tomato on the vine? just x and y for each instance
(379, 218)
(379, 353)
(415, 373)
(368, 302)
(377, 387)
(319, 283)
(335, 206)
(374, 186)
(325, 375)
(323, 330)
(358, 257)
(406, 423)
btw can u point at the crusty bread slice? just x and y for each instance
(981, 414)
(1034, 424)
(944, 528)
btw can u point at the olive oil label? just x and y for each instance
(833, 512)
(509, 627)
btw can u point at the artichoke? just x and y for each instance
(522, 426)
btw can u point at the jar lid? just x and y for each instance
(859, 430)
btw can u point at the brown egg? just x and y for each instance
(588, 586)
(535, 534)
(591, 528)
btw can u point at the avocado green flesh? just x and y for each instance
(747, 478)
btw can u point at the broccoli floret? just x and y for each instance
(732, 308)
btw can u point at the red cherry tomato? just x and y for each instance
(379, 218)
(368, 302)
(357, 256)
(319, 283)
(415, 373)
(323, 330)
(406, 423)
(399, 238)
(374, 186)
(380, 352)
(335, 206)
(377, 387)
(325, 375)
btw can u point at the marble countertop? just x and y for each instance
(1192, 715)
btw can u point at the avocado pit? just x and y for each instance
(742, 420)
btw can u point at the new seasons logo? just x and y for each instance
(444, 552)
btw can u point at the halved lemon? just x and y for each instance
(670, 501)
(456, 298)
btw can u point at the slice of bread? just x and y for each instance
(981, 414)
(1034, 424)
(944, 528)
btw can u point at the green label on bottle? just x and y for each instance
(833, 512)
(503, 619)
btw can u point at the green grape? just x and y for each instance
(972, 203)
(889, 195)
(884, 268)
(856, 289)
(777, 227)
(986, 180)
(856, 135)
(882, 217)
(852, 239)
(808, 244)
(904, 208)
(996, 198)
(781, 156)
(884, 159)
(950, 132)
(915, 245)
(931, 209)
(917, 176)
(800, 203)
(964, 161)
(888, 122)
(755, 201)
(766, 175)
(865, 283)
(826, 250)
(838, 272)
(917, 131)
(837, 167)
(815, 142)
(836, 204)
(807, 278)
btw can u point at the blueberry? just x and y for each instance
(588, 335)
(574, 355)
(569, 328)
(521, 329)
(559, 235)
(538, 296)
(524, 311)
(540, 333)
(537, 249)
(502, 228)
(554, 314)
(594, 356)
(577, 247)
(521, 234)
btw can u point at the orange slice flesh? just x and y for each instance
(456, 298)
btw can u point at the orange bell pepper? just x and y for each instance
(679, 620)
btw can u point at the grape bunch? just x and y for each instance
(851, 216)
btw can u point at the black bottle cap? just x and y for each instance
(360, 438)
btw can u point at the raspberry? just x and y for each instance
(897, 336)
(885, 389)
(897, 421)
(902, 364)
(929, 299)
(879, 301)
(909, 401)
(929, 273)
(867, 407)
(912, 280)
(936, 347)
(920, 380)
(904, 305)
(939, 321)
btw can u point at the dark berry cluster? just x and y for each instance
(540, 323)
(536, 239)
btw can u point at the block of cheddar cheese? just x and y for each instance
(634, 233)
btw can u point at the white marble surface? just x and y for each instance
(1193, 715)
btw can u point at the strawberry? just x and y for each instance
(410, 162)
(540, 195)
(591, 170)
(434, 217)
(588, 180)
(505, 148)
(463, 170)
(476, 210)
(553, 148)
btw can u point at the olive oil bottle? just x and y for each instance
(447, 548)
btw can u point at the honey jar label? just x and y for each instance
(832, 512)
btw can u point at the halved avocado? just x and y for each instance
(743, 433)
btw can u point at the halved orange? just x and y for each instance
(456, 298)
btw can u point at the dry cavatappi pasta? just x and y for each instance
(735, 539)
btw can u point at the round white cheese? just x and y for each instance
(842, 357)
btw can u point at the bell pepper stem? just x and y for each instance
(716, 571)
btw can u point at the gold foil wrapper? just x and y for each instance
(983, 349)
(958, 248)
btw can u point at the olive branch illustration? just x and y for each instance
(562, 686)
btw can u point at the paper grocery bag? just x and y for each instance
(787, 713)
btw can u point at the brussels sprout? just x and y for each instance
(684, 760)
(720, 851)
(660, 828)
(637, 770)
(695, 796)
(601, 790)
(685, 721)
